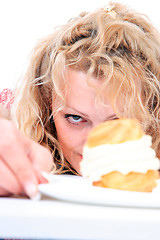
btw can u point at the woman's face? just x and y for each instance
(80, 114)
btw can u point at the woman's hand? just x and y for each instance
(21, 162)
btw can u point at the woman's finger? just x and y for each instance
(8, 181)
(14, 155)
(41, 157)
(4, 193)
(18, 162)
(24, 160)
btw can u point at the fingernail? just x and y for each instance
(45, 175)
(30, 189)
(42, 179)
(37, 197)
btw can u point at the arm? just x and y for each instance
(21, 159)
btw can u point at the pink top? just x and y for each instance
(7, 97)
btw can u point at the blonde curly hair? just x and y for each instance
(122, 48)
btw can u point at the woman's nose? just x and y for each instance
(85, 135)
(86, 132)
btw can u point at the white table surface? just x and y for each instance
(54, 219)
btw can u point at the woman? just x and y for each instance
(99, 66)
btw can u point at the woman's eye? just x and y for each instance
(74, 119)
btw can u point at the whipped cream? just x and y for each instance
(131, 156)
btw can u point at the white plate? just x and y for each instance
(79, 189)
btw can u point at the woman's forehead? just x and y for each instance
(80, 90)
(76, 79)
(81, 93)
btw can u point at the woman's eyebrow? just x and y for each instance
(111, 117)
(68, 108)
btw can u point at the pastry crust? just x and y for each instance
(114, 132)
(133, 181)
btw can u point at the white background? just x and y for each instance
(23, 22)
